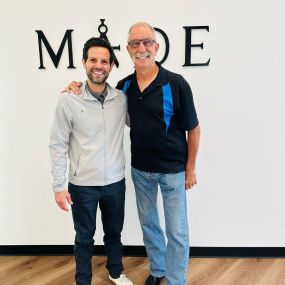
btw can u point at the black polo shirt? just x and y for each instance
(159, 119)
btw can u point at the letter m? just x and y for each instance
(55, 57)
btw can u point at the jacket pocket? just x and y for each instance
(77, 165)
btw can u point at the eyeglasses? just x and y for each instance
(145, 42)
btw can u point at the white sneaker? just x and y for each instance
(122, 280)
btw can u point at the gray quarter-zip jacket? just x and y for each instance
(92, 136)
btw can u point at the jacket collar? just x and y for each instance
(87, 96)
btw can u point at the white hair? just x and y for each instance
(143, 24)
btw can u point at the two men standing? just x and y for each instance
(162, 113)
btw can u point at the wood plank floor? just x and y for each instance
(59, 270)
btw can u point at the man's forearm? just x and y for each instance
(193, 146)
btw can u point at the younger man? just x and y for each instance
(89, 128)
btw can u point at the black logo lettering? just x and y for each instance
(189, 45)
(166, 44)
(103, 29)
(55, 57)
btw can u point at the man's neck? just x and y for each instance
(148, 73)
(96, 88)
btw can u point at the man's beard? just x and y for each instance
(93, 78)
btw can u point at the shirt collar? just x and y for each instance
(95, 94)
(86, 92)
(160, 79)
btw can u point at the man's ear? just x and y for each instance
(111, 66)
(156, 47)
(128, 47)
(84, 63)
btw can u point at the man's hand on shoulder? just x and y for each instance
(73, 87)
(61, 198)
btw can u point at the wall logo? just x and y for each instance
(103, 29)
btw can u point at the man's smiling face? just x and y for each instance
(98, 64)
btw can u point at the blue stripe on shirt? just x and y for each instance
(126, 86)
(167, 104)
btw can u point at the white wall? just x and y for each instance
(240, 198)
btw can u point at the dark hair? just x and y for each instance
(97, 42)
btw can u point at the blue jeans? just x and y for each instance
(171, 258)
(111, 200)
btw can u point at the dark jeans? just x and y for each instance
(111, 199)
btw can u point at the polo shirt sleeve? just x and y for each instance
(119, 85)
(187, 111)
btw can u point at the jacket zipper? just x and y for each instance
(105, 145)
